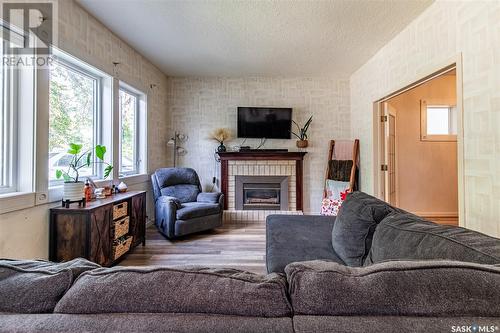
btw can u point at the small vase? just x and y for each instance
(73, 191)
(302, 143)
(221, 148)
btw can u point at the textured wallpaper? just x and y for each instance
(446, 29)
(82, 36)
(199, 105)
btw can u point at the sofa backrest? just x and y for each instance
(33, 286)
(401, 236)
(177, 290)
(181, 183)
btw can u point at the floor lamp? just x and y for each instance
(174, 141)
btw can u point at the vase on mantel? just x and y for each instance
(221, 148)
(302, 143)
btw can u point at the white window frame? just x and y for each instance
(85, 70)
(424, 136)
(9, 129)
(140, 132)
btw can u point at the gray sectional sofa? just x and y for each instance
(372, 269)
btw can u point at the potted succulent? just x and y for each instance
(301, 135)
(220, 135)
(73, 187)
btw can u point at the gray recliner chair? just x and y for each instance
(181, 208)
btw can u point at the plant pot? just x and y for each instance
(221, 148)
(302, 143)
(73, 191)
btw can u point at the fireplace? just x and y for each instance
(261, 192)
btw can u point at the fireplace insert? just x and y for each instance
(261, 192)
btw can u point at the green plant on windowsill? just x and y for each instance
(81, 160)
(73, 188)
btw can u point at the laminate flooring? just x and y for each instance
(235, 245)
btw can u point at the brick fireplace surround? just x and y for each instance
(263, 163)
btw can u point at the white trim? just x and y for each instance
(445, 67)
(16, 201)
(55, 193)
(141, 132)
(135, 179)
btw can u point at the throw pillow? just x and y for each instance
(336, 192)
(335, 189)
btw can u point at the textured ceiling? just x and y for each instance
(256, 37)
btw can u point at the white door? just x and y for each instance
(390, 167)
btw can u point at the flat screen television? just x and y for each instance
(269, 123)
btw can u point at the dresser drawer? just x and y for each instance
(120, 210)
(121, 227)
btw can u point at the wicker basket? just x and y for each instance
(120, 210)
(120, 247)
(121, 226)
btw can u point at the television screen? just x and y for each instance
(269, 123)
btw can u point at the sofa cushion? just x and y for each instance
(402, 288)
(291, 238)
(354, 227)
(392, 324)
(177, 290)
(142, 322)
(31, 286)
(191, 210)
(406, 236)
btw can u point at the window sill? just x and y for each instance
(134, 179)
(56, 192)
(10, 202)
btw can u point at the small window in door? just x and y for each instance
(438, 122)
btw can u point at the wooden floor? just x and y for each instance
(237, 245)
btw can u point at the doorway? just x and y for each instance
(420, 134)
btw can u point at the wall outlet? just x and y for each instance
(41, 198)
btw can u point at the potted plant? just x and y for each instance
(220, 135)
(73, 187)
(302, 133)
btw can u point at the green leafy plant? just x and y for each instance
(302, 131)
(83, 159)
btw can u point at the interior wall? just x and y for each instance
(199, 105)
(427, 182)
(445, 30)
(25, 233)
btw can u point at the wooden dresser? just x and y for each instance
(102, 232)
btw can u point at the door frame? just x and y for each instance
(379, 137)
(387, 132)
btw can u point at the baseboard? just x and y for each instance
(440, 217)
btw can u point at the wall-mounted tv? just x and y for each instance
(269, 123)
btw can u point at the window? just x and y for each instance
(132, 138)
(438, 122)
(128, 132)
(74, 116)
(8, 129)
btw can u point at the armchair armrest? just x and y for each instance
(172, 200)
(165, 214)
(209, 197)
